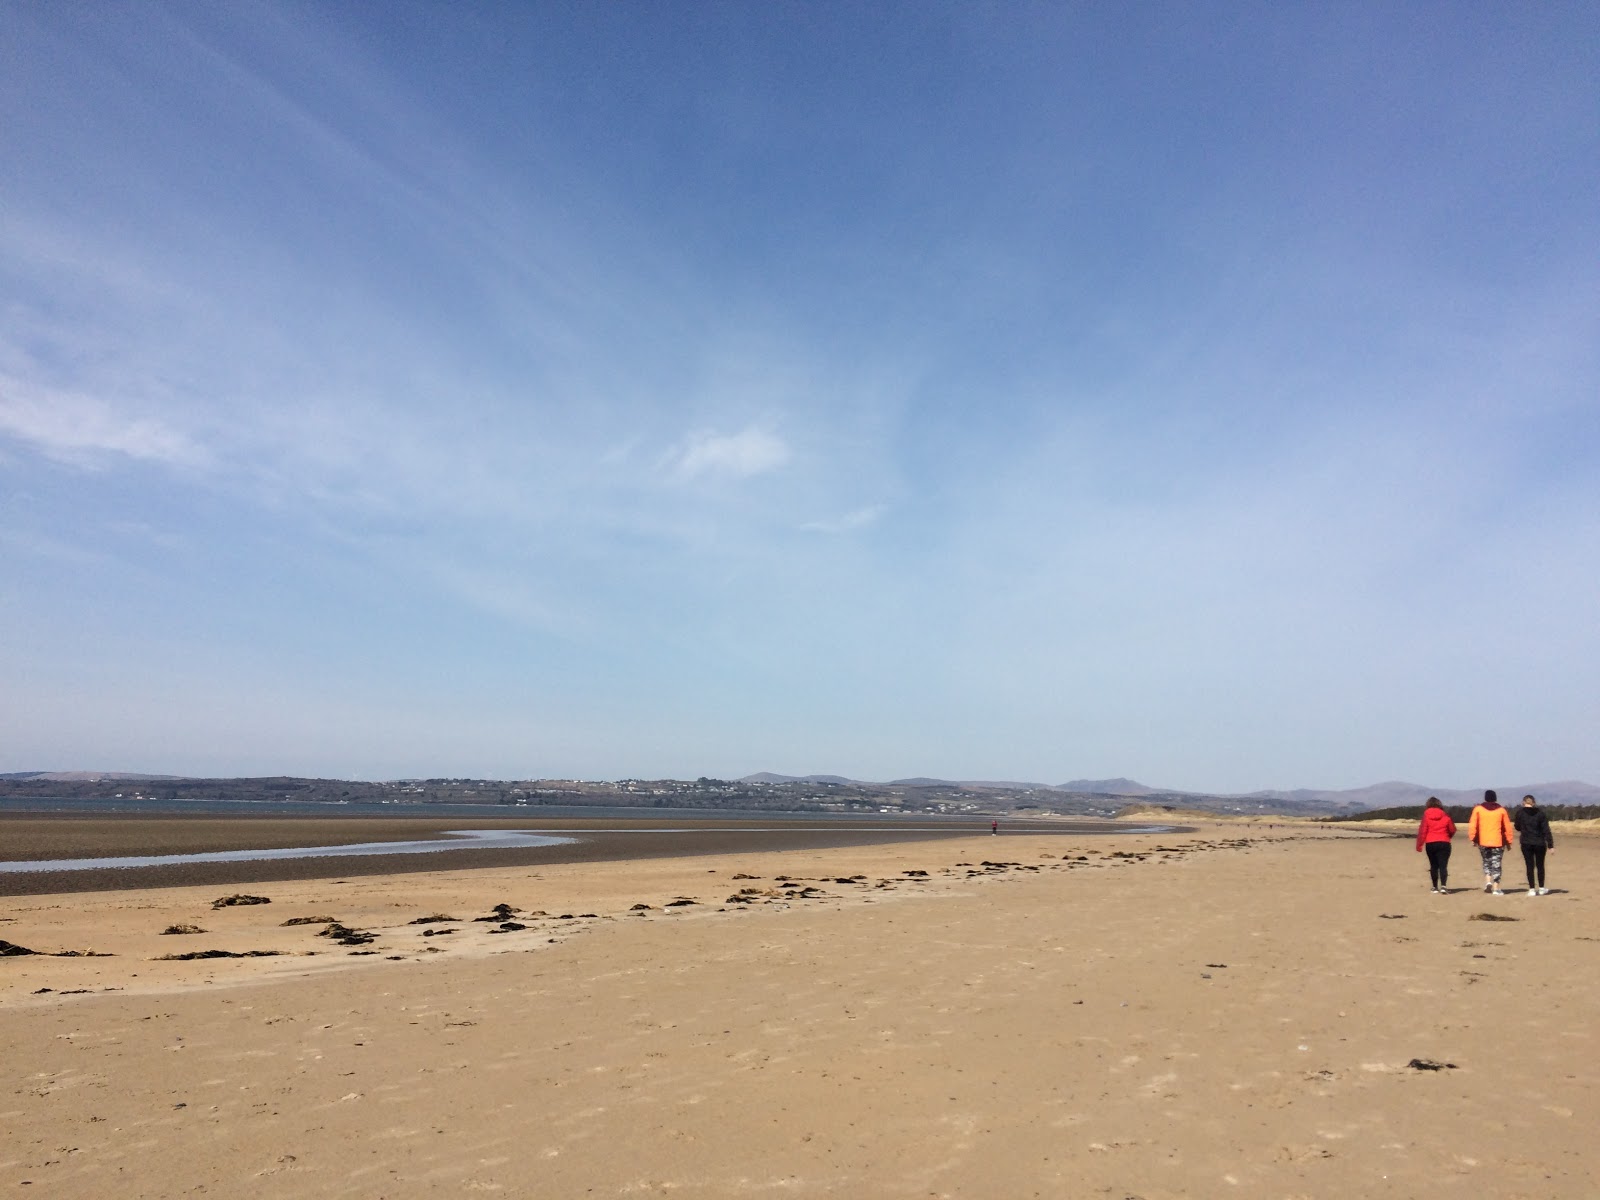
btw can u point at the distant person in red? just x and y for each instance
(994, 828)
(1490, 831)
(1434, 835)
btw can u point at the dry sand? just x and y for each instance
(1227, 1012)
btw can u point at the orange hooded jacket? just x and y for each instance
(1489, 826)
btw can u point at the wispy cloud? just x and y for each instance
(84, 431)
(735, 455)
(859, 519)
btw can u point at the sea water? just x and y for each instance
(456, 839)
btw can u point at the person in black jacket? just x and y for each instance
(1533, 833)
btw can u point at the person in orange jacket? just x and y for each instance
(1490, 830)
(1434, 835)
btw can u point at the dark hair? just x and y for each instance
(1490, 798)
(1433, 802)
(1530, 800)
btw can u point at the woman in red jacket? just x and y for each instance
(1434, 836)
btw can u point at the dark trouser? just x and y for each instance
(1533, 859)
(1438, 862)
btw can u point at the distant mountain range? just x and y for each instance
(1093, 796)
(1396, 793)
(81, 776)
(1096, 787)
(1377, 795)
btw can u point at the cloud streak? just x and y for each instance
(87, 432)
(741, 455)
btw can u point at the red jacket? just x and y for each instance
(1436, 827)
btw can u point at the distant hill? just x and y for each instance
(1397, 793)
(80, 776)
(1108, 787)
(769, 777)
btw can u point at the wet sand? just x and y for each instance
(1228, 1011)
(25, 836)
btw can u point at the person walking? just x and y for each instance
(1433, 836)
(1489, 828)
(1533, 835)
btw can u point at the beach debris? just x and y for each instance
(239, 898)
(77, 953)
(851, 879)
(1488, 916)
(1391, 916)
(182, 929)
(509, 927)
(641, 907)
(345, 936)
(683, 900)
(1217, 966)
(500, 912)
(918, 874)
(12, 950)
(195, 954)
(1430, 1064)
(430, 933)
(436, 919)
(740, 897)
(742, 875)
(310, 921)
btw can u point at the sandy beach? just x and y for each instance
(1226, 1011)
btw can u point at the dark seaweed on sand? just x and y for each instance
(195, 954)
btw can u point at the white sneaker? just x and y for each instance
(1533, 891)
(1544, 891)
(1498, 892)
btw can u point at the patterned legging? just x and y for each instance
(1491, 861)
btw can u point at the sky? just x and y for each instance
(1207, 394)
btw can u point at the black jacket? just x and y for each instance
(1533, 827)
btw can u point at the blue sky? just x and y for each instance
(1208, 394)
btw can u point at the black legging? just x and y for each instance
(1438, 862)
(1533, 859)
